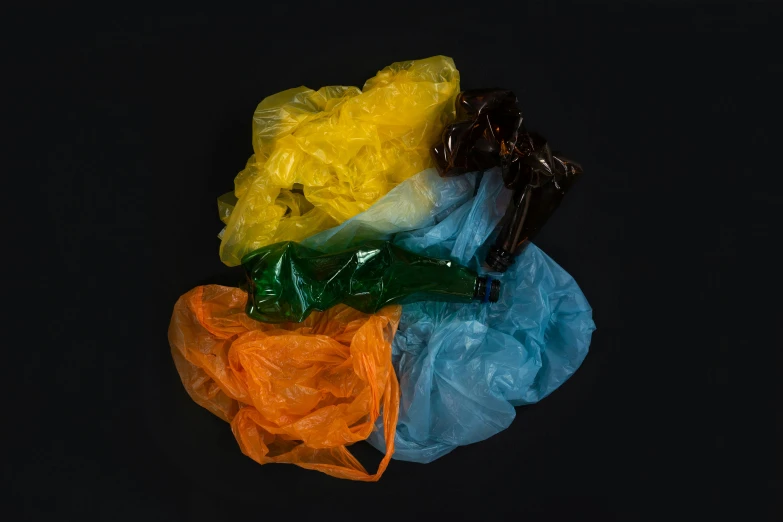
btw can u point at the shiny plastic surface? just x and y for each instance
(293, 393)
(324, 156)
(417, 202)
(489, 133)
(463, 367)
(287, 281)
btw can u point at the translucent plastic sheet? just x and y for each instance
(324, 156)
(463, 367)
(416, 203)
(293, 393)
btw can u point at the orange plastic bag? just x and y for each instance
(295, 393)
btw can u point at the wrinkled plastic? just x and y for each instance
(287, 281)
(293, 393)
(464, 367)
(489, 133)
(420, 201)
(324, 156)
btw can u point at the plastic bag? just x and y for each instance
(489, 133)
(293, 393)
(324, 156)
(463, 368)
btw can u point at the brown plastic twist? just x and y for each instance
(488, 133)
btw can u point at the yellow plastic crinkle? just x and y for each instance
(321, 157)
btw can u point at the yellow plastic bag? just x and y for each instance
(293, 393)
(323, 156)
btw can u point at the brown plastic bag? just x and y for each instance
(295, 393)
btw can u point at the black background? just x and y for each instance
(122, 129)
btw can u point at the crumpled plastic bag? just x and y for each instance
(293, 393)
(324, 156)
(489, 133)
(463, 367)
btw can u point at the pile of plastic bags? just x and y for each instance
(347, 175)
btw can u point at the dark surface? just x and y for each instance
(121, 130)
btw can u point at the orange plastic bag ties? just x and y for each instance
(296, 393)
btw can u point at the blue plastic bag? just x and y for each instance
(462, 368)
